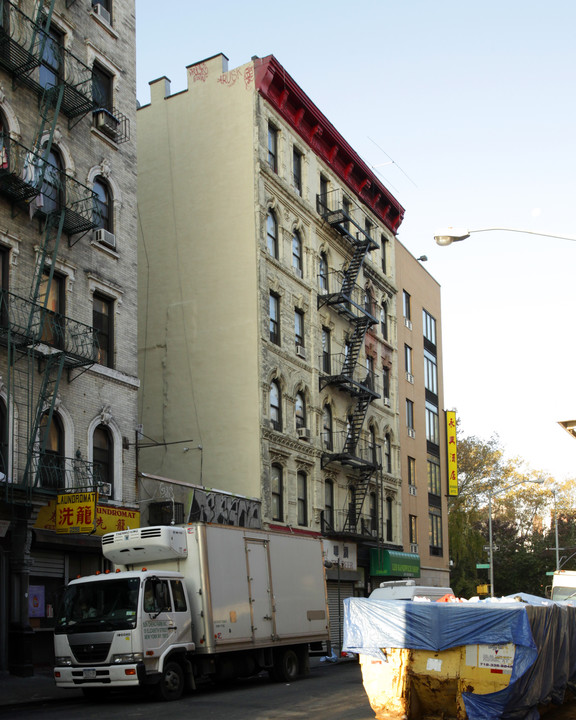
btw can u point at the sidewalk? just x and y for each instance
(40, 687)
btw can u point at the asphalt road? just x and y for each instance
(331, 692)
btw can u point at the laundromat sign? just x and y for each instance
(76, 512)
(79, 513)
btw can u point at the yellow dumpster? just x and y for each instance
(462, 661)
(418, 684)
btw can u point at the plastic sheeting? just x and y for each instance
(543, 632)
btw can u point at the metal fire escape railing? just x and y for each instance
(25, 43)
(346, 297)
(41, 343)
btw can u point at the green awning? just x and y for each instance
(391, 563)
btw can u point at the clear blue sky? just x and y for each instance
(476, 105)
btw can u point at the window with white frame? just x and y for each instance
(299, 328)
(300, 410)
(275, 405)
(273, 147)
(272, 234)
(302, 498)
(274, 318)
(297, 254)
(429, 324)
(277, 492)
(323, 273)
(432, 424)
(410, 415)
(297, 169)
(430, 372)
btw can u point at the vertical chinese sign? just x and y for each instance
(452, 453)
(76, 512)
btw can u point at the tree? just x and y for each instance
(522, 558)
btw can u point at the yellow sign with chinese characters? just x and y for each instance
(452, 453)
(109, 518)
(76, 512)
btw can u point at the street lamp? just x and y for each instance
(446, 236)
(491, 494)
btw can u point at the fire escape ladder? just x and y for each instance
(36, 463)
(357, 499)
(356, 421)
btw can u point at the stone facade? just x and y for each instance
(79, 144)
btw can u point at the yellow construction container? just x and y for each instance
(425, 685)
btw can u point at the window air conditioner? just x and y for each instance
(411, 433)
(101, 11)
(105, 489)
(301, 352)
(105, 237)
(387, 401)
(412, 490)
(304, 433)
(410, 378)
(414, 548)
(408, 323)
(105, 121)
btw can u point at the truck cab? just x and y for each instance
(119, 629)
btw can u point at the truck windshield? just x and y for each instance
(563, 593)
(100, 605)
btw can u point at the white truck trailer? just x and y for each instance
(185, 603)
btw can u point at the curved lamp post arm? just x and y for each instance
(447, 236)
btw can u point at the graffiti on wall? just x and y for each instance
(215, 507)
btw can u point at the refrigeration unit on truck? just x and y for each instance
(186, 603)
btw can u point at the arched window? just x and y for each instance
(272, 234)
(384, 320)
(103, 456)
(323, 273)
(275, 405)
(387, 453)
(51, 461)
(368, 302)
(103, 218)
(277, 492)
(327, 427)
(52, 185)
(300, 410)
(297, 254)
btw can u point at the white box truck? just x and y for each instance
(408, 590)
(193, 602)
(564, 585)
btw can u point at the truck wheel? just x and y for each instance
(286, 667)
(171, 685)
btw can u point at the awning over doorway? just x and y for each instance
(392, 563)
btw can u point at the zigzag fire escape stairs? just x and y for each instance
(39, 340)
(350, 376)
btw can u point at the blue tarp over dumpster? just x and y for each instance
(543, 632)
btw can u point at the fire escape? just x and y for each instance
(42, 344)
(344, 372)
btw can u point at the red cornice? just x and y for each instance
(291, 102)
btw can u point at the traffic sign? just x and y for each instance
(486, 548)
(482, 566)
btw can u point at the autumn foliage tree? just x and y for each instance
(522, 521)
